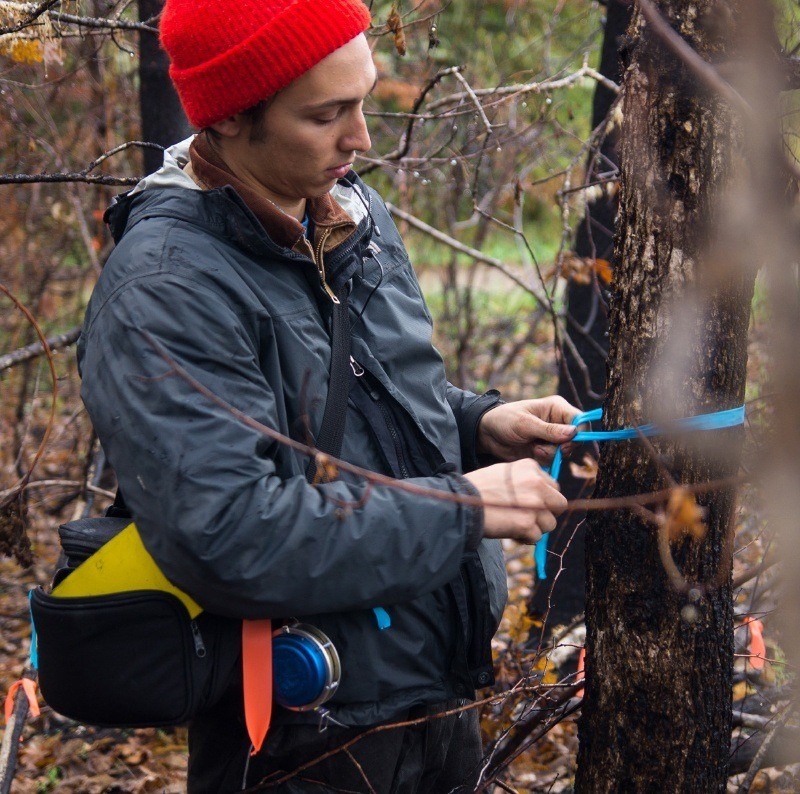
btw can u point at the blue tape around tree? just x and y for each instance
(716, 420)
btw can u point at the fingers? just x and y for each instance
(560, 411)
(529, 527)
(521, 501)
(533, 426)
(546, 521)
(543, 453)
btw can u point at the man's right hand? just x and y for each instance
(522, 501)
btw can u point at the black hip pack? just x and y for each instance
(127, 659)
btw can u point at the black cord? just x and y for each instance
(373, 228)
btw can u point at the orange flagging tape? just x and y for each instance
(579, 673)
(257, 679)
(29, 687)
(756, 648)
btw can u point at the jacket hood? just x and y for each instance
(222, 211)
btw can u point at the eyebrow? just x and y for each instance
(334, 102)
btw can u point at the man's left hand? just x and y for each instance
(527, 429)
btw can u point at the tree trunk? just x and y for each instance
(657, 711)
(564, 595)
(163, 119)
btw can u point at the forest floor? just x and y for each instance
(57, 754)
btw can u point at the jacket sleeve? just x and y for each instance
(468, 408)
(215, 516)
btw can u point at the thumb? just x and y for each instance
(552, 432)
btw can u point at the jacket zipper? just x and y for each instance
(395, 437)
(320, 263)
(319, 259)
(375, 396)
(199, 645)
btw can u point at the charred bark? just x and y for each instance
(564, 595)
(657, 710)
(163, 119)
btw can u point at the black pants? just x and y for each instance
(439, 755)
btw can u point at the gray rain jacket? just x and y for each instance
(229, 517)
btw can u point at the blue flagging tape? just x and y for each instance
(34, 662)
(718, 420)
(382, 616)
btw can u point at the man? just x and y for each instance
(232, 258)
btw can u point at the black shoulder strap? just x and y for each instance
(331, 433)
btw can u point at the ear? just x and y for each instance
(229, 127)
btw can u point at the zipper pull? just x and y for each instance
(330, 292)
(358, 370)
(199, 647)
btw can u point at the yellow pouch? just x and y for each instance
(120, 565)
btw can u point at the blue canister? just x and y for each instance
(306, 667)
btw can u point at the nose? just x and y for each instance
(356, 139)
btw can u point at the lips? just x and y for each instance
(339, 171)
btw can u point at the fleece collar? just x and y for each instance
(346, 202)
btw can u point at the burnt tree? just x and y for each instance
(163, 119)
(586, 307)
(657, 710)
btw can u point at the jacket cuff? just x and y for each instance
(469, 431)
(474, 534)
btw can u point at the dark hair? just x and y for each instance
(256, 116)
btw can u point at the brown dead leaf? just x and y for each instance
(576, 268)
(684, 516)
(395, 24)
(13, 537)
(585, 470)
(582, 269)
(133, 752)
(603, 269)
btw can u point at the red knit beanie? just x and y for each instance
(227, 55)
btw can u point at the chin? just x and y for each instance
(320, 190)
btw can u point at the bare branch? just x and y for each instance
(33, 11)
(701, 68)
(31, 351)
(468, 88)
(29, 179)
(517, 89)
(53, 401)
(478, 256)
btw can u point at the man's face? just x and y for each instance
(312, 129)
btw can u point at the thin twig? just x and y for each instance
(451, 242)
(30, 179)
(755, 766)
(701, 68)
(479, 107)
(9, 748)
(53, 401)
(31, 351)
(518, 89)
(36, 484)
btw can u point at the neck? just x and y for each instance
(296, 208)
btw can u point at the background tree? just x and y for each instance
(163, 119)
(582, 370)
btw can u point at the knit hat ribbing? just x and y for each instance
(227, 55)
